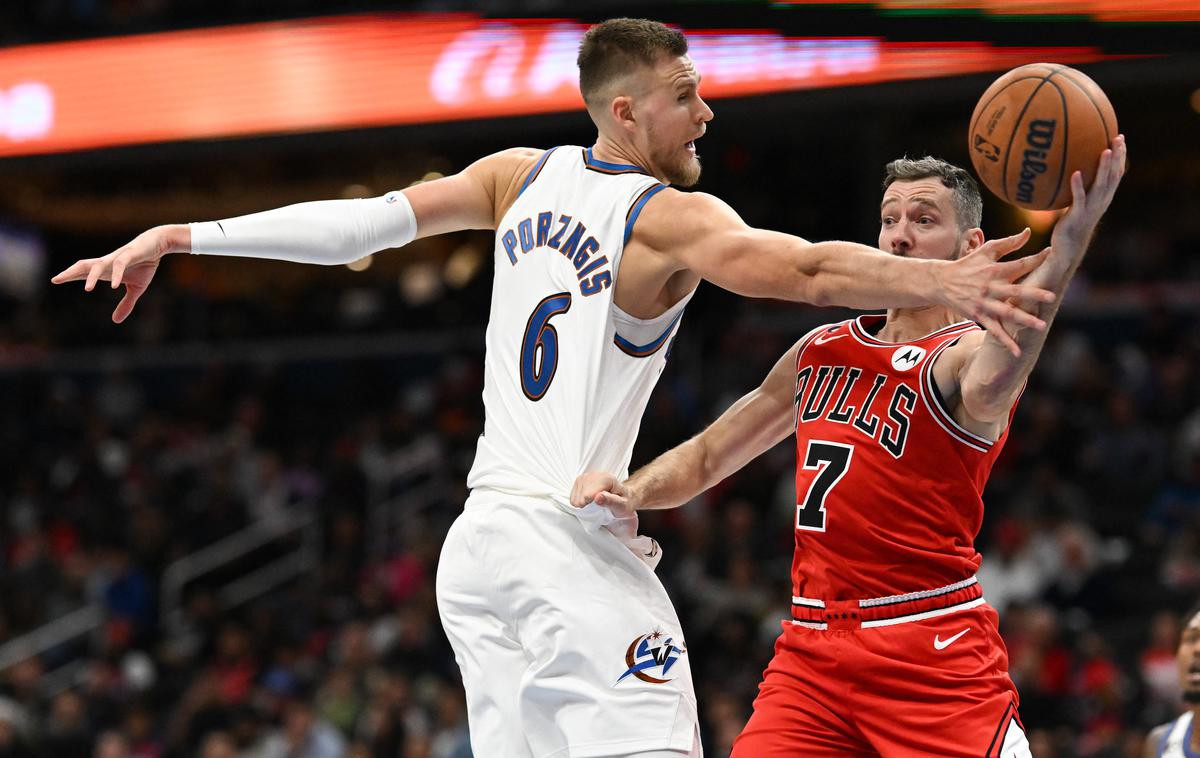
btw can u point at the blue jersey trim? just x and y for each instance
(592, 162)
(637, 208)
(1187, 740)
(537, 169)
(650, 348)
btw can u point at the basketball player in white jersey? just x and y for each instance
(1181, 738)
(566, 639)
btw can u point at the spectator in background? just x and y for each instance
(304, 734)
(1181, 738)
(13, 729)
(218, 745)
(1158, 668)
(112, 745)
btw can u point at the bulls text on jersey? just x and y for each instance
(835, 393)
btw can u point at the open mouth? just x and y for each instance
(691, 146)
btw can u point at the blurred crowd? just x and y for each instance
(110, 473)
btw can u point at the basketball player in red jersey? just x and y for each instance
(891, 649)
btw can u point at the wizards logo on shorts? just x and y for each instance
(649, 652)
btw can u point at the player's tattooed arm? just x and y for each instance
(984, 376)
(750, 427)
(700, 233)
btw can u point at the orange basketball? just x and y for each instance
(1033, 128)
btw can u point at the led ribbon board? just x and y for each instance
(362, 71)
(1105, 11)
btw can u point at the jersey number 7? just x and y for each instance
(831, 461)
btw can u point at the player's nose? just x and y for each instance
(706, 113)
(901, 237)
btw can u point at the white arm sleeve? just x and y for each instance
(328, 232)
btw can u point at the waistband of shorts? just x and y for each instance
(886, 611)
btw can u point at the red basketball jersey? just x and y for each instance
(888, 485)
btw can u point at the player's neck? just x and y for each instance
(908, 324)
(612, 151)
(1195, 741)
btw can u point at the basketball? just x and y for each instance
(1033, 128)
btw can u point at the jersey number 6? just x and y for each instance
(830, 460)
(539, 349)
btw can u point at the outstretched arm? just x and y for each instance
(325, 232)
(700, 233)
(988, 378)
(750, 427)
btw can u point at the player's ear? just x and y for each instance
(621, 109)
(974, 240)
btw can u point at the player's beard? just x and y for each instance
(686, 172)
(681, 167)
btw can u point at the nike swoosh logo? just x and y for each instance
(823, 339)
(940, 644)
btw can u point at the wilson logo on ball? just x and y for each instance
(1040, 139)
(1033, 128)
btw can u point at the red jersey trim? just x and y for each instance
(1007, 720)
(887, 611)
(809, 339)
(941, 414)
(863, 336)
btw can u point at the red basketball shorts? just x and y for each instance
(927, 687)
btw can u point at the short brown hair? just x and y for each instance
(612, 48)
(968, 205)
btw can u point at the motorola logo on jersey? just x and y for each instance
(906, 357)
(650, 652)
(845, 395)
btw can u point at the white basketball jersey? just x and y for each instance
(1175, 743)
(567, 375)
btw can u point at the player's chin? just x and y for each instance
(1191, 695)
(686, 173)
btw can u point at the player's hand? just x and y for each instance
(133, 265)
(983, 288)
(1074, 229)
(601, 488)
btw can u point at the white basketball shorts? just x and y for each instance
(567, 641)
